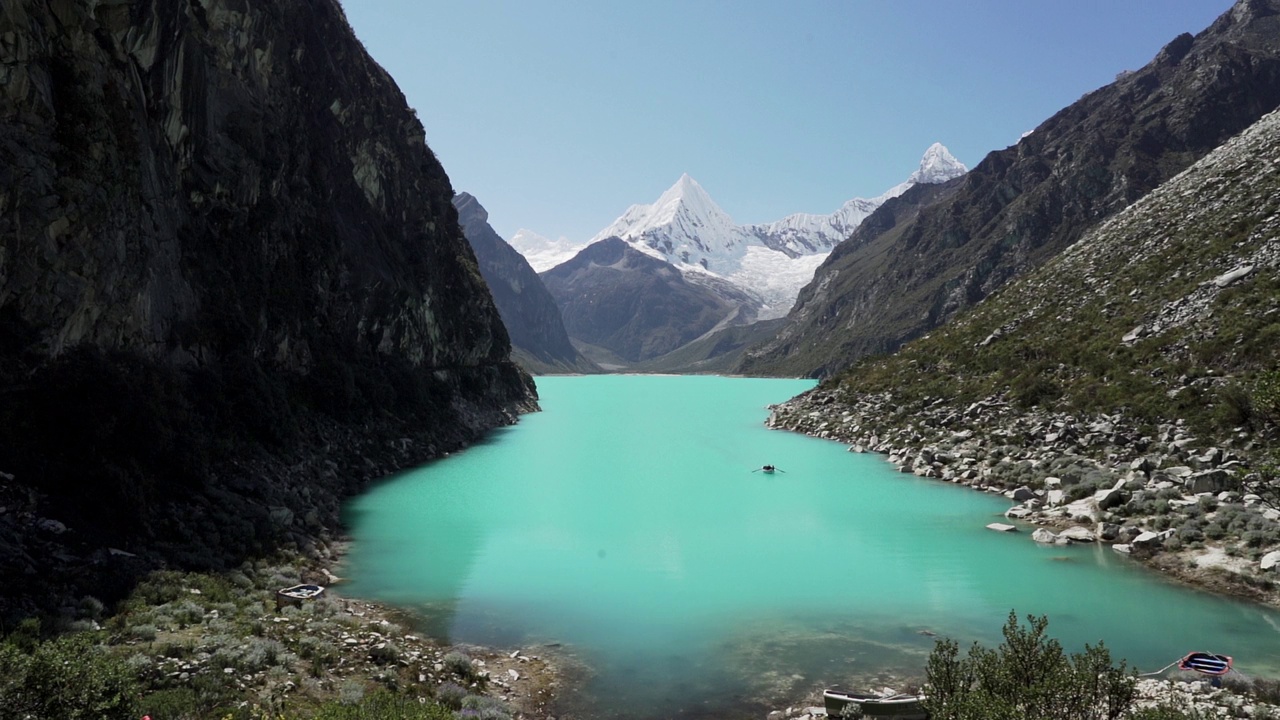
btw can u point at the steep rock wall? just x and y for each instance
(224, 245)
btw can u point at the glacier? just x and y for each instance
(770, 261)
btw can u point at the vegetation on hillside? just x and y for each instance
(1137, 318)
(189, 646)
(1029, 677)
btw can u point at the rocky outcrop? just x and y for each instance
(227, 257)
(529, 312)
(892, 282)
(637, 306)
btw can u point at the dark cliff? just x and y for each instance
(891, 282)
(224, 245)
(538, 338)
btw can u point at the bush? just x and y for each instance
(483, 707)
(450, 695)
(1028, 677)
(383, 705)
(459, 663)
(69, 678)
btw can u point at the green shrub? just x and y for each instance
(1029, 677)
(483, 707)
(1168, 711)
(69, 678)
(383, 705)
(459, 663)
(451, 695)
(384, 653)
(1265, 398)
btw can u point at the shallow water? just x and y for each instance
(625, 522)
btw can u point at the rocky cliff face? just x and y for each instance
(891, 282)
(220, 222)
(532, 319)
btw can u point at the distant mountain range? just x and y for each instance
(706, 273)
(912, 266)
(770, 262)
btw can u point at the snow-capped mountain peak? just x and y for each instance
(684, 226)
(543, 253)
(937, 166)
(772, 261)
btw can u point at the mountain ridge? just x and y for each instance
(529, 312)
(1024, 204)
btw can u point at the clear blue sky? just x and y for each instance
(558, 115)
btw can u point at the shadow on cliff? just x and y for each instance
(115, 465)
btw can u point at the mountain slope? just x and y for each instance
(1130, 385)
(1023, 205)
(232, 284)
(635, 305)
(805, 234)
(769, 262)
(1168, 311)
(529, 312)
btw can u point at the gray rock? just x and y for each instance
(1211, 481)
(1227, 278)
(1002, 527)
(51, 526)
(1078, 534)
(1044, 536)
(1023, 494)
(1128, 533)
(1108, 499)
(1108, 532)
(1270, 561)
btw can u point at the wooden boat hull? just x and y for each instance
(297, 594)
(1206, 663)
(903, 707)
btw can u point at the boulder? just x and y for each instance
(1270, 561)
(1108, 532)
(1128, 533)
(1044, 536)
(1078, 534)
(1122, 548)
(1022, 494)
(1055, 497)
(1150, 540)
(1002, 527)
(1018, 512)
(1114, 497)
(1142, 464)
(1211, 481)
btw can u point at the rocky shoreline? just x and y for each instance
(1176, 503)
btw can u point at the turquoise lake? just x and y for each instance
(624, 523)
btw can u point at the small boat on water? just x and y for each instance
(1206, 663)
(768, 469)
(843, 703)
